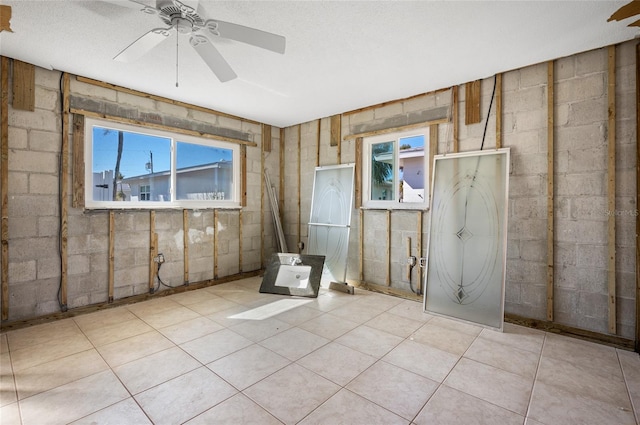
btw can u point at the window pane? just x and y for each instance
(130, 166)
(382, 171)
(412, 173)
(203, 172)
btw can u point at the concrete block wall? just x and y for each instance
(581, 134)
(34, 260)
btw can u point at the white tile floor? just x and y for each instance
(221, 356)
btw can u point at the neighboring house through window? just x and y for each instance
(137, 167)
(396, 170)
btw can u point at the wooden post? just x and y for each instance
(77, 197)
(4, 182)
(472, 102)
(243, 174)
(408, 255)
(388, 281)
(240, 241)
(24, 86)
(456, 118)
(112, 244)
(262, 189)
(318, 142)
(185, 243)
(433, 150)
(153, 250)
(266, 138)
(282, 160)
(637, 338)
(64, 178)
(358, 173)
(550, 187)
(419, 249)
(361, 243)
(299, 188)
(215, 244)
(499, 111)
(611, 189)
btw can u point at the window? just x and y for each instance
(137, 167)
(395, 170)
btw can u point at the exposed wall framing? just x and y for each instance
(77, 200)
(281, 187)
(112, 246)
(550, 187)
(499, 111)
(266, 138)
(185, 244)
(299, 189)
(388, 248)
(472, 103)
(4, 182)
(153, 250)
(396, 129)
(361, 245)
(64, 184)
(243, 176)
(637, 338)
(318, 125)
(336, 130)
(358, 173)
(240, 259)
(611, 188)
(456, 118)
(24, 86)
(215, 244)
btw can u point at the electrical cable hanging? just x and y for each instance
(486, 123)
(62, 306)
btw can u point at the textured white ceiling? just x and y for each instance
(340, 55)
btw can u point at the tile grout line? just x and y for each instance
(624, 377)
(535, 377)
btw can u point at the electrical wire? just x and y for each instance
(161, 283)
(486, 123)
(63, 307)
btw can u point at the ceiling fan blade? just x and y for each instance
(212, 58)
(265, 40)
(143, 44)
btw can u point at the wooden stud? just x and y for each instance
(396, 129)
(433, 150)
(240, 241)
(456, 118)
(361, 244)
(64, 179)
(4, 182)
(161, 99)
(472, 103)
(299, 188)
(499, 111)
(419, 250)
(318, 142)
(24, 86)
(358, 173)
(611, 190)
(215, 244)
(112, 257)
(243, 176)
(185, 244)
(637, 334)
(139, 123)
(282, 162)
(78, 162)
(550, 187)
(262, 211)
(153, 250)
(388, 250)
(336, 130)
(266, 138)
(408, 255)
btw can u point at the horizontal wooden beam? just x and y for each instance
(396, 129)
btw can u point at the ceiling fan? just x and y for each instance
(183, 19)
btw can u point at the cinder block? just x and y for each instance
(525, 185)
(43, 184)
(580, 88)
(40, 119)
(48, 226)
(32, 249)
(31, 161)
(593, 111)
(47, 78)
(592, 208)
(591, 256)
(18, 182)
(581, 231)
(565, 68)
(588, 183)
(45, 141)
(587, 160)
(419, 103)
(580, 137)
(18, 138)
(359, 118)
(23, 271)
(534, 250)
(529, 99)
(529, 164)
(592, 61)
(23, 227)
(565, 277)
(47, 99)
(135, 100)
(534, 75)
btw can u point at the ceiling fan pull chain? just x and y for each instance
(177, 37)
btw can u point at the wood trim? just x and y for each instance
(358, 173)
(78, 162)
(396, 129)
(262, 211)
(433, 151)
(153, 250)
(112, 246)
(64, 180)
(374, 287)
(24, 86)
(194, 133)
(456, 119)
(499, 111)
(550, 188)
(611, 190)
(161, 99)
(637, 333)
(240, 257)
(4, 182)
(185, 244)
(243, 176)
(336, 130)
(472, 102)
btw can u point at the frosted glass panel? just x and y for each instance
(330, 219)
(467, 237)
